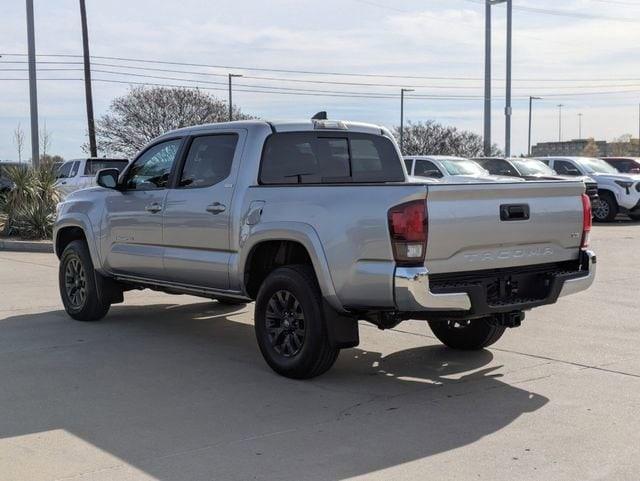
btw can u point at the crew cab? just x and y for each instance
(316, 222)
(81, 173)
(449, 169)
(532, 170)
(617, 192)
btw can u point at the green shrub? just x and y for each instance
(28, 210)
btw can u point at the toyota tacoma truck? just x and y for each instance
(317, 223)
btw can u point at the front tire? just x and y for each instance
(290, 326)
(605, 208)
(471, 335)
(77, 283)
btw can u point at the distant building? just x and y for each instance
(575, 147)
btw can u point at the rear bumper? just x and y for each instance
(478, 294)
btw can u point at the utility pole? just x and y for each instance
(487, 77)
(33, 89)
(531, 99)
(580, 125)
(507, 108)
(402, 92)
(560, 122)
(87, 81)
(231, 75)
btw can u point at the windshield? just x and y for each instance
(596, 166)
(532, 167)
(463, 167)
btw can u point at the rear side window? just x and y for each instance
(315, 158)
(209, 160)
(94, 166)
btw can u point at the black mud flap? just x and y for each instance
(342, 330)
(108, 289)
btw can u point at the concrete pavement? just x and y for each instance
(174, 388)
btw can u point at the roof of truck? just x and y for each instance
(282, 126)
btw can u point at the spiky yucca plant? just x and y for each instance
(29, 208)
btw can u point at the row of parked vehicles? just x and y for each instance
(612, 184)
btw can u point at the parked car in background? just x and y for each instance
(450, 170)
(316, 222)
(81, 173)
(617, 192)
(532, 169)
(5, 183)
(626, 165)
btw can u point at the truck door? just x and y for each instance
(198, 211)
(133, 216)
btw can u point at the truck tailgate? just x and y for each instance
(489, 226)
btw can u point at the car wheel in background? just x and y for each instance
(605, 208)
(469, 335)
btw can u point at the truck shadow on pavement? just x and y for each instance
(181, 392)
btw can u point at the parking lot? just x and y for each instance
(174, 388)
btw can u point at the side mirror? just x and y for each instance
(108, 178)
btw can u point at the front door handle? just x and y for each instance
(153, 208)
(216, 208)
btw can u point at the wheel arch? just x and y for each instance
(284, 243)
(71, 229)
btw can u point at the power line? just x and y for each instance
(457, 87)
(520, 79)
(565, 13)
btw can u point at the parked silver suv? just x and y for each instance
(315, 221)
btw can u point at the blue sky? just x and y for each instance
(554, 57)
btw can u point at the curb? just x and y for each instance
(26, 246)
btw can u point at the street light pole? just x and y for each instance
(231, 75)
(580, 125)
(507, 108)
(487, 79)
(87, 81)
(531, 99)
(33, 89)
(560, 122)
(402, 92)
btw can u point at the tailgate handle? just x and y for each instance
(514, 212)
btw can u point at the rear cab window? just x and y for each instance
(329, 157)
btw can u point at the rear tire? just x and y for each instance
(605, 208)
(469, 335)
(290, 327)
(77, 283)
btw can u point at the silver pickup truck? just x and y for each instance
(315, 221)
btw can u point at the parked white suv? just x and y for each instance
(618, 192)
(81, 173)
(448, 169)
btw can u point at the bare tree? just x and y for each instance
(18, 140)
(45, 141)
(432, 138)
(623, 146)
(145, 113)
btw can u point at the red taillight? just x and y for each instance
(586, 221)
(408, 228)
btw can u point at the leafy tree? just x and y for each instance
(432, 138)
(145, 113)
(591, 149)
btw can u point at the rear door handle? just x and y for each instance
(216, 208)
(153, 208)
